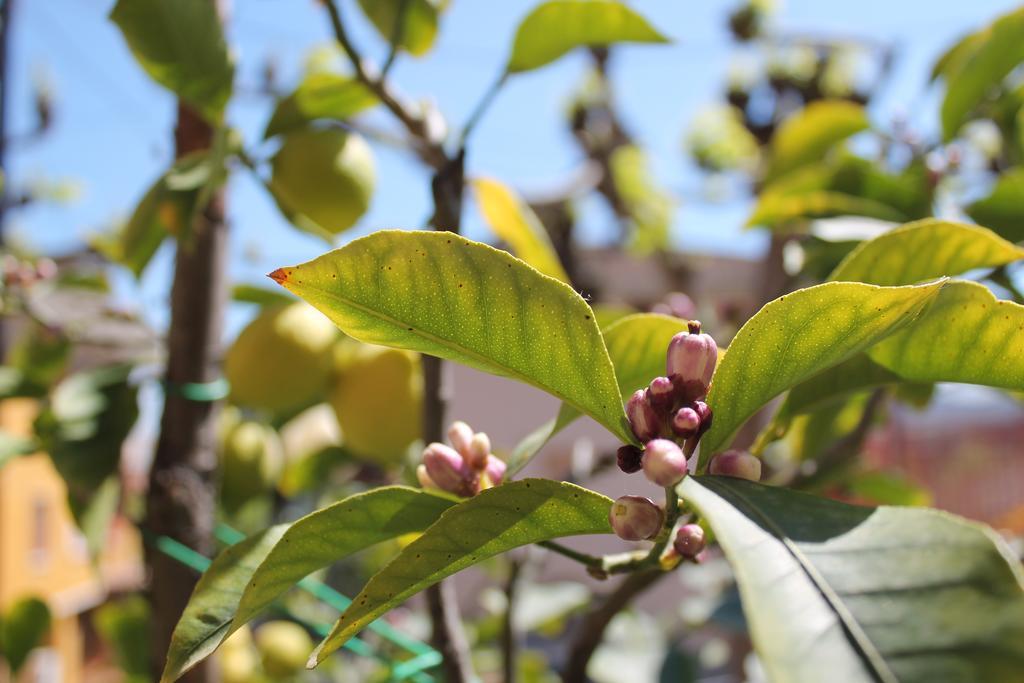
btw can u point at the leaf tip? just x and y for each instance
(279, 276)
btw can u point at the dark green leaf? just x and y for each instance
(499, 519)
(558, 26)
(441, 294)
(181, 46)
(866, 594)
(798, 335)
(23, 629)
(1003, 209)
(249, 576)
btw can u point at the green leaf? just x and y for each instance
(556, 27)
(1003, 209)
(261, 296)
(441, 294)
(180, 44)
(796, 336)
(650, 207)
(125, 626)
(807, 135)
(925, 250)
(499, 519)
(778, 210)
(855, 374)
(991, 57)
(967, 335)
(23, 629)
(513, 221)
(320, 96)
(867, 594)
(247, 577)
(419, 22)
(13, 446)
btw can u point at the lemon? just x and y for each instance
(251, 462)
(324, 177)
(281, 362)
(284, 647)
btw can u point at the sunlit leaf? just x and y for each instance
(558, 26)
(497, 520)
(807, 135)
(866, 594)
(441, 294)
(320, 96)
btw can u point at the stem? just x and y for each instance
(509, 635)
(481, 108)
(582, 558)
(415, 124)
(592, 629)
(396, 38)
(181, 498)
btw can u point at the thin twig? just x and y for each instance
(582, 558)
(481, 108)
(509, 634)
(591, 630)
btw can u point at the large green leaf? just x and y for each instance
(637, 345)
(889, 594)
(499, 519)
(852, 375)
(181, 46)
(808, 134)
(320, 96)
(967, 335)
(248, 576)
(1003, 209)
(418, 17)
(558, 26)
(441, 294)
(514, 221)
(991, 57)
(925, 250)
(798, 335)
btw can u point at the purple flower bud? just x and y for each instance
(739, 464)
(424, 478)
(686, 422)
(704, 413)
(689, 541)
(494, 471)
(635, 518)
(479, 449)
(628, 458)
(691, 362)
(642, 417)
(449, 470)
(664, 463)
(459, 435)
(661, 394)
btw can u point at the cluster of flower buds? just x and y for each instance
(735, 463)
(465, 468)
(18, 272)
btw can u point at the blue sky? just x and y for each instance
(113, 129)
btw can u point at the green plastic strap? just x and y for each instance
(200, 392)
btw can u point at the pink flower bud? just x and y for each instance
(691, 362)
(739, 464)
(479, 449)
(494, 471)
(635, 518)
(661, 394)
(685, 422)
(642, 417)
(459, 435)
(689, 541)
(629, 458)
(704, 413)
(424, 478)
(664, 463)
(681, 305)
(449, 470)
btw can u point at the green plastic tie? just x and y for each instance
(199, 392)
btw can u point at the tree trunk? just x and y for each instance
(182, 490)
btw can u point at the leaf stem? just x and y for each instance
(397, 32)
(481, 108)
(582, 558)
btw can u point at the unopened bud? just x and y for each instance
(739, 464)
(449, 470)
(494, 471)
(424, 478)
(686, 422)
(642, 417)
(629, 458)
(689, 541)
(479, 449)
(635, 518)
(691, 362)
(664, 463)
(459, 435)
(704, 413)
(661, 394)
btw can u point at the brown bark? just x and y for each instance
(182, 491)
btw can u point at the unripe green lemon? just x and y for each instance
(251, 462)
(238, 658)
(378, 398)
(281, 362)
(325, 175)
(284, 647)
